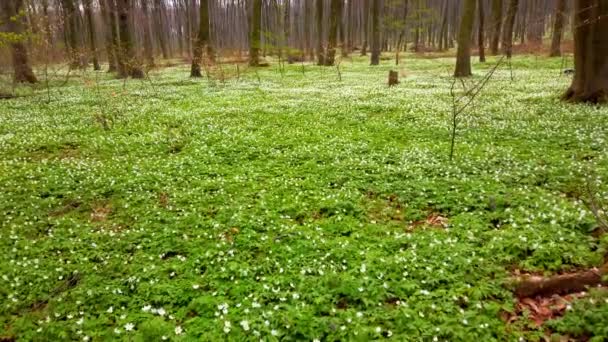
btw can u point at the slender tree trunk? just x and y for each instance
(71, 32)
(202, 40)
(480, 33)
(402, 33)
(320, 45)
(48, 33)
(375, 58)
(496, 25)
(365, 27)
(334, 17)
(308, 27)
(535, 24)
(160, 28)
(443, 31)
(287, 28)
(92, 34)
(188, 27)
(148, 49)
(345, 29)
(22, 71)
(463, 57)
(110, 48)
(121, 63)
(558, 28)
(507, 38)
(590, 83)
(255, 33)
(132, 66)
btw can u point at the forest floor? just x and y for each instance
(297, 206)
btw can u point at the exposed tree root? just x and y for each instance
(596, 97)
(532, 286)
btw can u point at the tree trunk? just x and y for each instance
(92, 36)
(106, 12)
(131, 64)
(402, 33)
(590, 83)
(535, 23)
(160, 28)
(71, 31)
(443, 31)
(21, 66)
(148, 50)
(375, 58)
(463, 57)
(496, 25)
(365, 27)
(335, 16)
(507, 38)
(287, 29)
(255, 26)
(480, 34)
(202, 40)
(188, 29)
(558, 28)
(345, 29)
(308, 27)
(320, 45)
(532, 286)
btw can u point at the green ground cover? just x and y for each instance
(295, 206)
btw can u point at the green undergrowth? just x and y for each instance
(292, 205)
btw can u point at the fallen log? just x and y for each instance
(532, 286)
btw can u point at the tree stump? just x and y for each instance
(393, 78)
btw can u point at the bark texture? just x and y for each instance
(558, 28)
(463, 57)
(130, 64)
(22, 71)
(481, 33)
(590, 82)
(92, 34)
(496, 25)
(507, 38)
(334, 21)
(255, 33)
(375, 58)
(202, 40)
(320, 45)
(532, 286)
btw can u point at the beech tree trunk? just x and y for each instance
(558, 28)
(443, 31)
(92, 34)
(507, 38)
(118, 55)
(334, 19)
(202, 40)
(160, 28)
(308, 26)
(496, 25)
(71, 29)
(375, 58)
(590, 83)
(22, 71)
(463, 57)
(131, 65)
(255, 33)
(110, 43)
(320, 47)
(480, 33)
(148, 50)
(365, 27)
